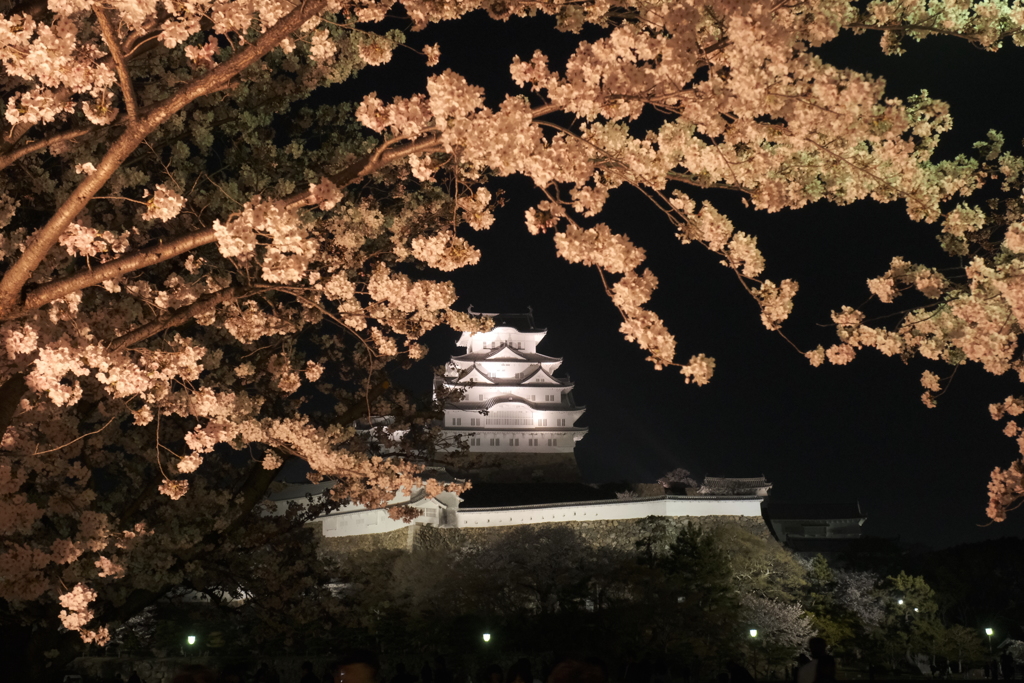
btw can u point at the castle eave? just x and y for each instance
(536, 406)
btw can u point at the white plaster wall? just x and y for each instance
(610, 510)
(358, 523)
(361, 522)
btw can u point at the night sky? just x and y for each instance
(858, 432)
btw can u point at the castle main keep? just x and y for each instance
(515, 413)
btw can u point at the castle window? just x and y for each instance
(534, 442)
(561, 422)
(533, 397)
(508, 418)
(552, 442)
(457, 421)
(495, 442)
(513, 442)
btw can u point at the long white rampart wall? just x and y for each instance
(360, 522)
(630, 508)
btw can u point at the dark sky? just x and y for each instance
(858, 432)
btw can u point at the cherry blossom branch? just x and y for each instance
(260, 478)
(363, 166)
(110, 38)
(180, 316)
(12, 156)
(146, 34)
(368, 164)
(924, 28)
(387, 153)
(690, 179)
(337, 321)
(906, 196)
(45, 238)
(112, 270)
(252, 491)
(21, 130)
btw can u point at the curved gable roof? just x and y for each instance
(505, 352)
(473, 374)
(516, 356)
(542, 377)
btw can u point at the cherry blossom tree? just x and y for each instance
(782, 631)
(207, 264)
(678, 478)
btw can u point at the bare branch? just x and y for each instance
(77, 439)
(110, 38)
(9, 158)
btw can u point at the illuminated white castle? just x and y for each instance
(517, 417)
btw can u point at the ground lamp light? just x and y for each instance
(900, 601)
(753, 633)
(988, 632)
(487, 637)
(191, 640)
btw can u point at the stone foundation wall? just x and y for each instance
(397, 540)
(618, 535)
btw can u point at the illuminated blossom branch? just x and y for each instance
(227, 254)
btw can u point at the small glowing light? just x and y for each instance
(916, 610)
(988, 632)
(191, 640)
(753, 633)
(487, 637)
(900, 601)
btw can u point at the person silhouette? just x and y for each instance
(821, 668)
